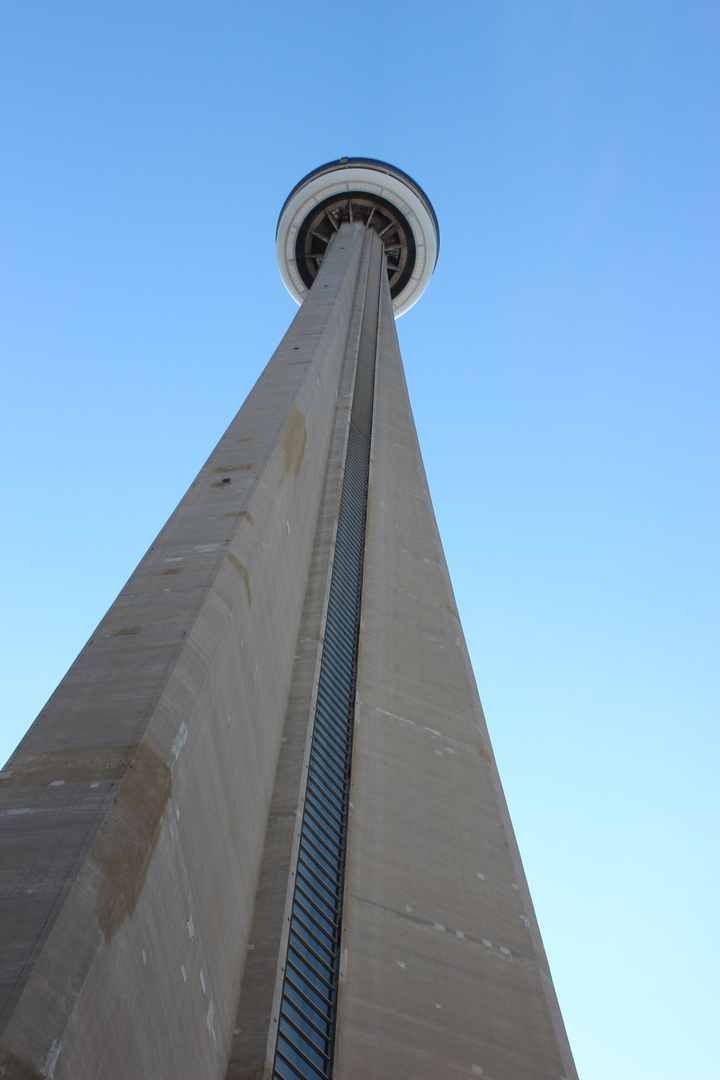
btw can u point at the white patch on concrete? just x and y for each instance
(486, 943)
(6, 774)
(477, 1070)
(525, 920)
(210, 1018)
(56, 783)
(481, 876)
(439, 753)
(439, 926)
(504, 951)
(180, 739)
(433, 731)
(177, 812)
(515, 886)
(95, 783)
(402, 964)
(459, 934)
(408, 908)
(288, 527)
(438, 1005)
(449, 750)
(16, 810)
(191, 928)
(183, 973)
(205, 549)
(250, 948)
(202, 980)
(52, 1059)
(175, 558)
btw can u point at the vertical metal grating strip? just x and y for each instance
(306, 1024)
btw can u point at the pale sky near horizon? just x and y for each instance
(563, 369)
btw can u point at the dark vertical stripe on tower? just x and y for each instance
(306, 1024)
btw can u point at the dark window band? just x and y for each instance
(306, 1030)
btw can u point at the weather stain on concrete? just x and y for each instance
(169, 571)
(124, 846)
(240, 513)
(126, 631)
(293, 440)
(11, 1065)
(484, 754)
(233, 468)
(74, 765)
(242, 571)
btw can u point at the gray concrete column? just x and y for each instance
(255, 1029)
(133, 814)
(443, 971)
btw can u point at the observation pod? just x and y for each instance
(359, 190)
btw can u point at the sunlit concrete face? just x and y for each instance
(161, 825)
(444, 973)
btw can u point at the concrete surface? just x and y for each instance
(149, 819)
(133, 814)
(444, 972)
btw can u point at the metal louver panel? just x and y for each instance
(306, 1025)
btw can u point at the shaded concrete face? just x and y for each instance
(149, 820)
(133, 814)
(258, 1012)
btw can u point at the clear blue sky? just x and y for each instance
(563, 366)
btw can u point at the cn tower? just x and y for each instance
(258, 830)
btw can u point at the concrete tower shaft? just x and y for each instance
(258, 831)
(133, 814)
